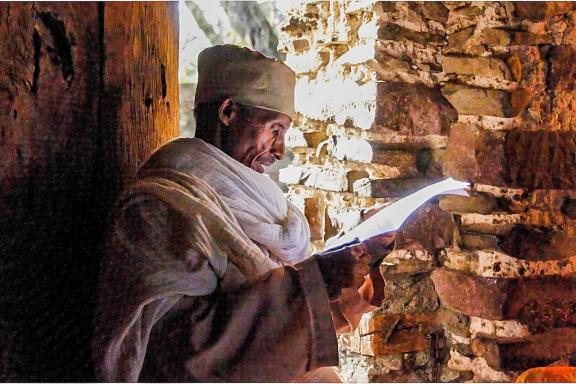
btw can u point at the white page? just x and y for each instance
(393, 216)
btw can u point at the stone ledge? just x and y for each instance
(355, 149)
(533, 351)
(508, 299)
(497, 328)
(490, 263)
(485, 101)
(343, 199)
(389, 139)
(477, 365)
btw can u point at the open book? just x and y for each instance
(393, 216)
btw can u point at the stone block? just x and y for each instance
(307, 62)
(496, 224)
(472, 295)
(402, 333)
(456, 323)
(518, 159)
(413, 109)
(293, 174)
(410, 295)
(357, 170)
(428, 228)
(391, 31)
(477, 66)
(541, 10)
(406, 262)
(435, 10)
(490, 102)
(540, 303)
(328, 96)
(299, 138)
(482, 204)
(542, 159)
(536, 243)
(561, 80)
(533, 351)
(314, 213)
(390, 188)
(543, 303)
(495, 37)
(497, 328)
(482, 371)
(458, 40)
(340, 219)
(301, 45)
(493, 263)
(357, 149)
(478, 241)
(330, 179)
(475, 155)
(357, 368)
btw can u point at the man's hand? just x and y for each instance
(379, 246)
(346, 267)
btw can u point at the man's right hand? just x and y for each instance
(347, 267)
(344, 268)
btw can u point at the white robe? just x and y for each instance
(193, 264)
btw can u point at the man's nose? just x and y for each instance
(278, 149)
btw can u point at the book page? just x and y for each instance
(393, 216)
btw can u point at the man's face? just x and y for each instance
(256, 136)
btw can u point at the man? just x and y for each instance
(208, 275)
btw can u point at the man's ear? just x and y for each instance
(228, 111)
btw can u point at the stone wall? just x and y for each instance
(392, 96)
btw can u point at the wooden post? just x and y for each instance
(87, 92)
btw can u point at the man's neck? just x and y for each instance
(217, 137)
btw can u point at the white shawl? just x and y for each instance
(232, 215)
(258, 204)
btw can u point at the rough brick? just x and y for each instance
(477, 365)
(435, 10)
(410, 294)
(340, 219)
(497, 328)
(328, 178)
(478, 66)
(413, 109)
(480, 101)
(538, 243)
(488, 262)
(390, 31)
(388, 139)
(501, 37)
(499, 299)
(533, 351)
(401, 333)
(541, 10)
(543, 303)
(478, 241)
(475, 155)
(392, 188)
(297, 138)
(541, 159)
(427, 228)
(457, 40)
(482, 204)
(472, 295)
(314, 212)
(357, 149)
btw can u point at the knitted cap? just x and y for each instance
(246, 76)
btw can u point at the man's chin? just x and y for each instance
(258, 167)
